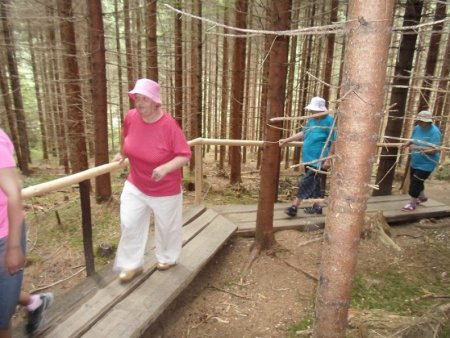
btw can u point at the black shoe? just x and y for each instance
(315, 209)
(291, 211)
(35, 318)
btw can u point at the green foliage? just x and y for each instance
(305, 324)
(443, 172)
(390, 290)
(445, 331)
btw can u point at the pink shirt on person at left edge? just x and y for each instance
(6, 161)
(149, 145)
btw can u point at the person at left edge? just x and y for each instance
(156, 149)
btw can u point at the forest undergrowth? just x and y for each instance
(402, 286)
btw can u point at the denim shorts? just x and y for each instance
(309, 185)
(10, 285)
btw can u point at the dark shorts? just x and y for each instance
(10, 285)
(417, 181)
(309, 185)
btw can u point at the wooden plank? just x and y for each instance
(421, 212)
(246, 208)
(192, 213)
(303, 222)
(134, 314)
(79, 320)
(309, 223)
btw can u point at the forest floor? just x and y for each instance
(395, 293)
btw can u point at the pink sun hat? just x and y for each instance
(147, 88)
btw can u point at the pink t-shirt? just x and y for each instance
(6, 161)
(149, 145)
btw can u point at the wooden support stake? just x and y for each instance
(198, 173)
(86, 223)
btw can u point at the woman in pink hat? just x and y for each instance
(156, 149)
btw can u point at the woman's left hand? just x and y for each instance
(158, 173)
(14, 259)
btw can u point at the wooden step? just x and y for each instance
(133, 315)
(78, 321)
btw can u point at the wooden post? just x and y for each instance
(198, 173)
(86, 222)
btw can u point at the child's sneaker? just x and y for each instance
(291, 211)
(315, 209)
(409, 207)
(35, 318)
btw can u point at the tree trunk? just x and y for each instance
(152, 46)
(37, 90)
(119, 62)
(386, 169)
(442, 95)
(368, 33)
(128, 49)
(330, 51)
(194, 78)
(6, 98)
(237, 91)
(433, 51)
(99, 100)
(224, 103)
(280, 17)
(178, 67)
(59, 125)
(77, 137)
(24, 148)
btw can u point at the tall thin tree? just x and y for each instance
(432, 55)
(280, 18)
(386, 168)
(237, 91)
(99, 95)
(14, 78)
(178, 66)
(152, 46)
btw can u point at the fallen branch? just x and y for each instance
(256, 250)
(230, 292)
(307, 274)
(311, 241)
(57, 282)
(434, 296)
(432, 226)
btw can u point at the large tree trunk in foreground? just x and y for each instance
(271, 151)
(360, 114)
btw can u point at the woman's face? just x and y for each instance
(144, 105)
(424, 125)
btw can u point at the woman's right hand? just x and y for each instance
(118, 158)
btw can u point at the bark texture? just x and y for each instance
(360, 112)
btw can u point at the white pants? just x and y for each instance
(135, 213)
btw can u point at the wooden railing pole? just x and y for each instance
(198, 174)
